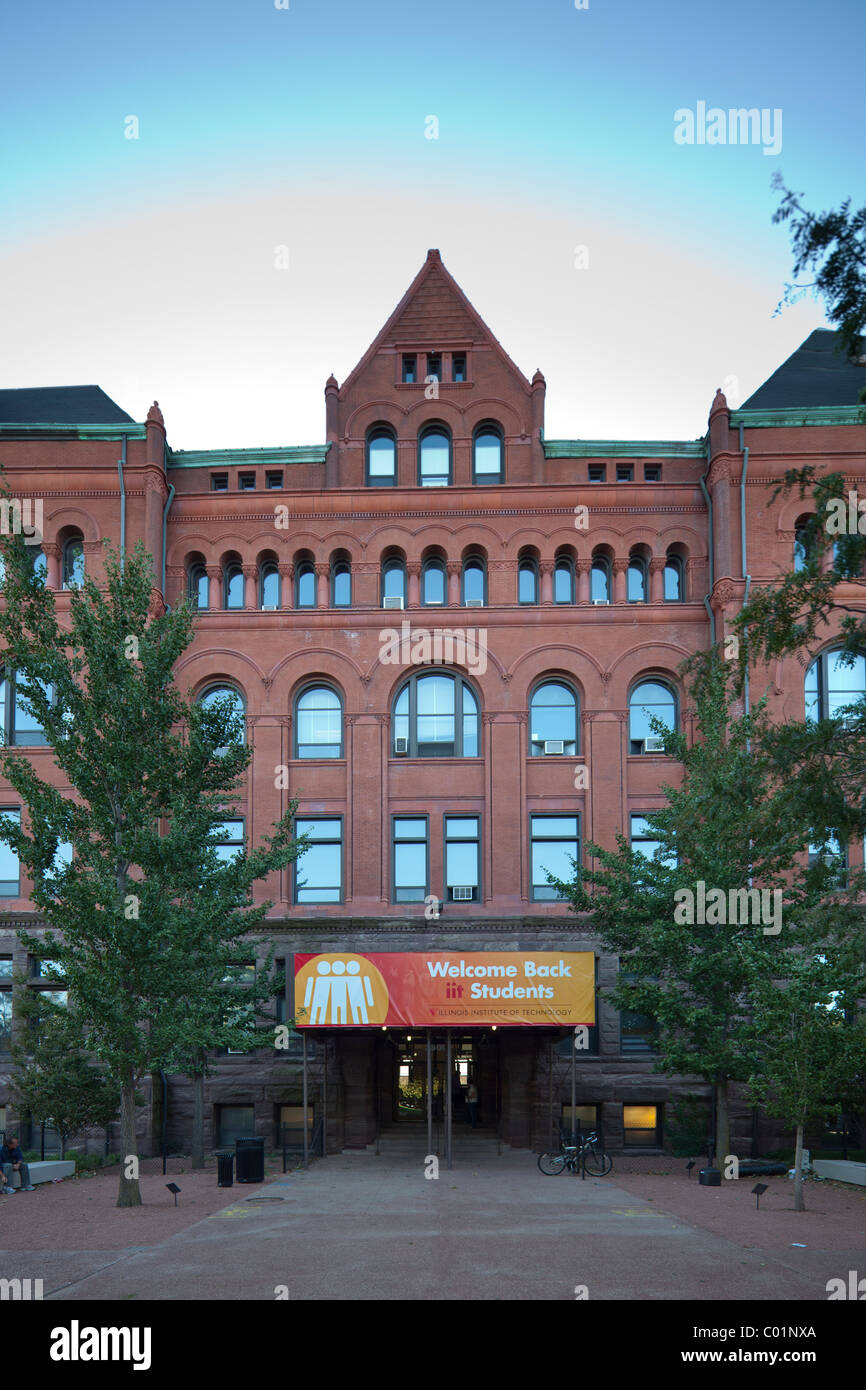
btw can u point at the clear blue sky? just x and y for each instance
(147, 265)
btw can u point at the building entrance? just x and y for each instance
(421, 1062)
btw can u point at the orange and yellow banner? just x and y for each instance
(445, 989)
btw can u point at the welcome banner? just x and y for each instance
(445, 989)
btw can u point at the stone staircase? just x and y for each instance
(408, 1140)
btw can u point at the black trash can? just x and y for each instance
(710, 1177)
(251, 1159)
(225, 1167)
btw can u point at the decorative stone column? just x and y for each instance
(413, 569)
(657, 579)
(52, 555)
(286, 572)
(620, 583)
(215, 578)
(323, 574)
(584, 570)
(250, 573)
(546, 567)
(454, 569)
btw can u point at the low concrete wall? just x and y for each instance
(841, 1169)
(46, 1171)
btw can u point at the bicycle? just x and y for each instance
(587, 1152)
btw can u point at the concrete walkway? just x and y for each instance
(362, 1227)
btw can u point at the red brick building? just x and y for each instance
(576, 575)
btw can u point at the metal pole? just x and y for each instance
(429, 1096)
(325, 1045)
(306, 1128)
(447, 1096)
(550, 1100)
(376, 1047)
(573, 1085)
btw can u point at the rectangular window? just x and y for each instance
(274, 478)
(219, 482)
(625, 472)
(597, 472)
(462, 859)
(10, 870)
(458, 366)
(235, 1122)
(554, 843)
(410, 859)
(409, 368)
(642, 1125)
(5, 1019)
(637, 1032)
(585, 1119)
(652, 472)
(642, 838)
(319, 870)
(231, 839)
(246, 482)
(434, 365)
(835, 856)
(280, 996)
(6, 967)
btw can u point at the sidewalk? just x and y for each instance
(360, 1227)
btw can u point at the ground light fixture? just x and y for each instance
(173, 1187)
(758, 1189)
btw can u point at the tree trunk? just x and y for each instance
(799, 1204)
(129, 1192)
(198, 1120)
(723, 1127)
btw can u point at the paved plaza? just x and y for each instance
(360, 1226)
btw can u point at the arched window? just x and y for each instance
(637, 580)
(831, 684)
(803, 544)
(73, 563)
(436, 716)
(235, 705)
(38, 563)
(341, 584)
(197, 586)
(527, 581)
(305, 585)
(269, 585)
(674, 589)
(233, 587)
(433, 583)
(394, 584)
(487, 452)
(600, 581)
(563, 581)
(474, 582)
(434, 457)
(319, 723)
(552, 720)
(381, 457)
(650, 699)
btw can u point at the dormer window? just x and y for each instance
(434, 365)
(410, 368)
(458, 366)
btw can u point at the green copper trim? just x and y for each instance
(228, 458)
(814, 415)
(623, 448)
(132, 431)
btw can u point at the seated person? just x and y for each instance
(12, 1161)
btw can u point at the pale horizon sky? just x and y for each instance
(148, 266)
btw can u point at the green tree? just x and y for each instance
(832, 245)
(55, 1080)
(810, 1052)
(152, 776)
(731, 826)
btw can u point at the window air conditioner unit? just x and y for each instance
(392, 603)
(553, 745)
(462, 894)
(653, 745)
(474, 603)
(401, 747)
(270, 607)
(601, 602)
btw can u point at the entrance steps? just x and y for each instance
(408, 1139)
